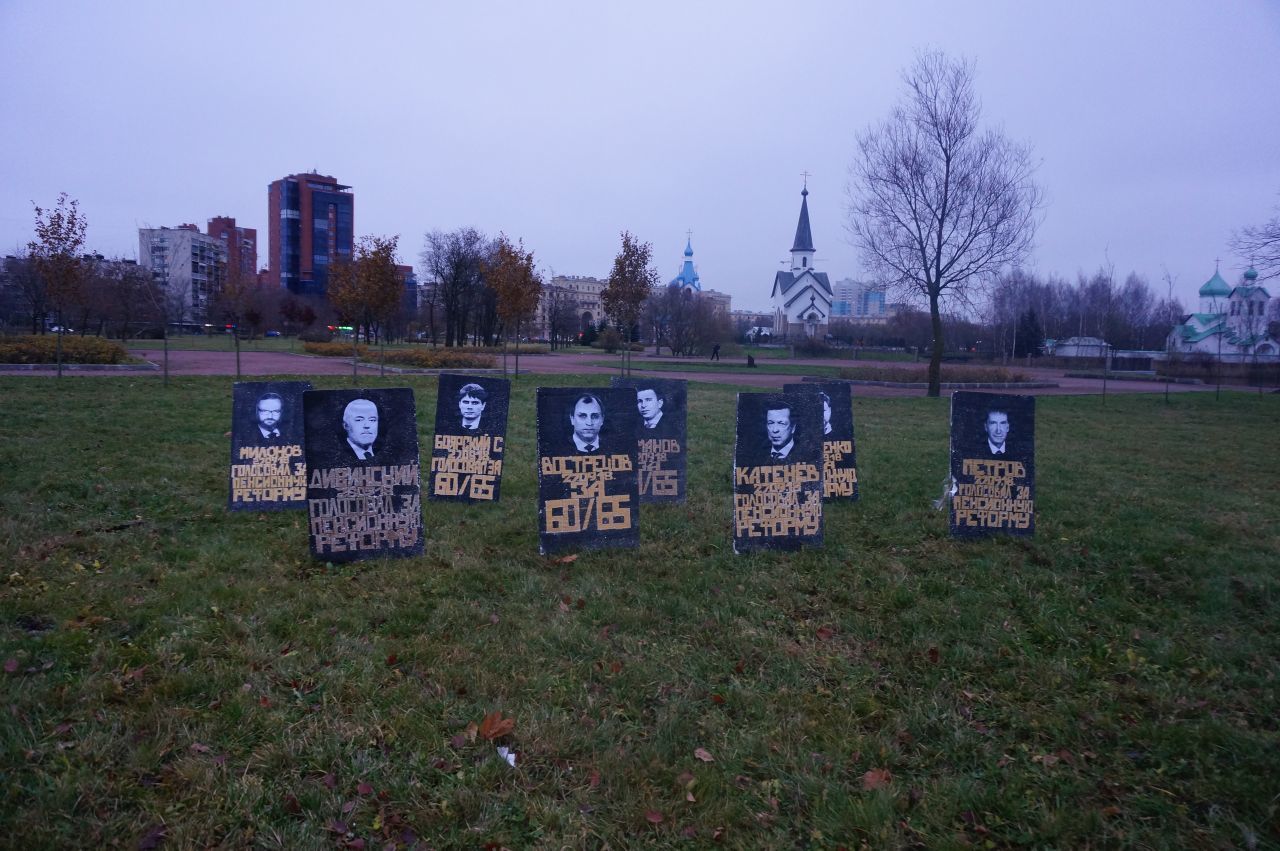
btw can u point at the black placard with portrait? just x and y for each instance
(777, 472)
(364, 499)
(839, 449)
(993, 465)
(470, 438)
(268, 468)
(660, 436)
(588, 491)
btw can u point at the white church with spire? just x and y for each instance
(1234, 322)
(801, 297)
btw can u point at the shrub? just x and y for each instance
(812, 348)
(43, 349)
(316, 334)
(334, 350)
(440, 359)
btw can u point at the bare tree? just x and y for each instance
(935, 204)
(561, 315)
(56, 251)
(454, 261)
(1261, 246)
(630, 282)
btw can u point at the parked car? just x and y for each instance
(58, 329)
(272, 334)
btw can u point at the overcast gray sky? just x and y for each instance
(1157, 122)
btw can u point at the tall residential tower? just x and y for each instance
(311, 220)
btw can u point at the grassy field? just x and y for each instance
(177, 675)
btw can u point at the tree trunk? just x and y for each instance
(935, 359)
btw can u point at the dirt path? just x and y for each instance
(189, 362)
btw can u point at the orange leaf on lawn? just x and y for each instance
(494, 726)
(876, 778)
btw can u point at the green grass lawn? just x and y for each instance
(176, 673)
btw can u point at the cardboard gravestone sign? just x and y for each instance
(470, 439)
(993, 464)
(839, 450)
(777, 472)
(268, 470)
(660, 437)
(588, 493)
(363, 496)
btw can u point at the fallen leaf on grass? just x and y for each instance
(653, 817)
(329, 782)
(876, 778)
(348, 807)
(364, 789)
(494, 726)
(933, 655)
(11, 666)
(717, 699)
(196, 747)
(594, 780)
(153, 838)
(569, 559)
(825, 632)
(703, 754)
(391, 660)
(292, 805)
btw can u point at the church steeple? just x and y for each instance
(802, 248)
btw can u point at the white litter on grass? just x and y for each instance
(508, 754)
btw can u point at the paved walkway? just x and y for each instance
(189, 362)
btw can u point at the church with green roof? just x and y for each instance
(1234, 322)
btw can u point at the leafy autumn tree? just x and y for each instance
(56, 251)
(937, 206)
(630, 282)
(510, 273)
(367, 291)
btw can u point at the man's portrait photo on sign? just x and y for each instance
(660, 436)
(587, 485)
(267, 463)
(777, 473)
(363, 493)
(992, 464)
(840, 467)
(470, 438)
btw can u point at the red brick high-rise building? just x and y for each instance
(241, 243)
(311, 221)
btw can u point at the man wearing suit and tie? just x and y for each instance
(360, 422)
(649, 404)
(471, 402)
(267, 426)
(587, 418)
(997, 429)
(781, 432)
